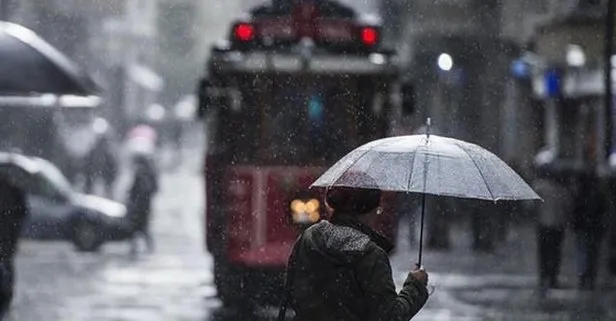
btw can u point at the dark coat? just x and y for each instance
(342, 272)
(591, 205)
(13, 211)
(145, 185)
(101, 161)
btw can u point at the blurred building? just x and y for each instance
(462, 54)
(562, 76)
(459, 54)
(141, 51)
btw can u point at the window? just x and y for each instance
(286, 120)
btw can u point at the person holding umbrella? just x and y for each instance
(340, 270)
(423, 164)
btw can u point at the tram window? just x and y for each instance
(287, 118)
(310, 123)
(307, 126)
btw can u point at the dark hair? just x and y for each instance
(356, 201)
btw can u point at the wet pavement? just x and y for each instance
(175, 282)
(503, 285)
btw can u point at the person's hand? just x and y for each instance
(420, 275)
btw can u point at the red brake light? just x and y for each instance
(369, 36)
(244, 32)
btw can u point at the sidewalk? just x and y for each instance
(503, 285)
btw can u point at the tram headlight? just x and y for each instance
(305, 212)
(312, 205)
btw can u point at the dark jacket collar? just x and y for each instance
(353, 222)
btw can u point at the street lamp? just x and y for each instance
(575, 56)
(445, 62)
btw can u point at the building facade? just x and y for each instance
(142, 52)
(566, 80)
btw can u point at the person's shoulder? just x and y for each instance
(339, 237)
(373, 250)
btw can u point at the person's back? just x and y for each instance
(340, 271)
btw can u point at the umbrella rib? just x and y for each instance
(478, 169)
(350, 165)
(408, 184)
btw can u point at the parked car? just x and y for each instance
(57, 211)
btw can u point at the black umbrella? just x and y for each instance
(29, 65)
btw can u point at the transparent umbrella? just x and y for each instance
(428, 164)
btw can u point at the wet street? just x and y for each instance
(175, 282)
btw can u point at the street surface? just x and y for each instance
(175, 282)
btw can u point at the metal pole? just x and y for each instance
(552, 128)
(423, 196)
(607, 75)
(4, 7)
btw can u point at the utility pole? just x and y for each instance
(607, 75)
(4, 10)
(609, 45)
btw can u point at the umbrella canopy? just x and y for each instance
(28, 64)
(430, 165)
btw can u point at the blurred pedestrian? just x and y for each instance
(144, 187)
(589, 226)
(611, 268)
(78, 138)
(438, 222)
(552, 218)
(483, 224)
(340, 270)
(142, 139)
(406, 207)
(101, 163)
(611, 223)
(13, 211)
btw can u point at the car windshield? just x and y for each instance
(54, 177)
